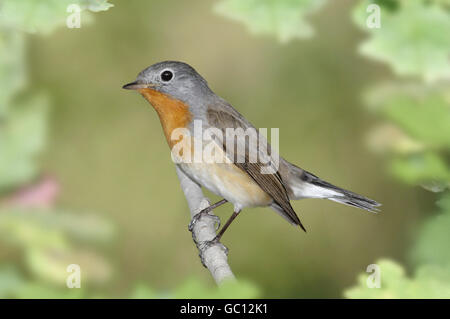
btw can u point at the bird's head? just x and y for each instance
(177, 80)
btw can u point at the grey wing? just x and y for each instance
(226, 116)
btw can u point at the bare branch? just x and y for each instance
(213, 256)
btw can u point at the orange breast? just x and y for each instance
(172, 113)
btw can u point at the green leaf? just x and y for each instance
(17, 229)
(421, 168)
(428, 282)
(388, 138)
(431, 278)
(33, 15)
(22, 137)
(434, 237)
(419, 134)
(51, 228)
(284, 19)
(42, 16)
(12, 68)
(10, 281)
(50, 265)
(45, 237)
(96, 5)
(425, 118)
(413, 39)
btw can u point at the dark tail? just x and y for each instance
(349, 198)
(310, 186)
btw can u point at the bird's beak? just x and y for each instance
(137, 86)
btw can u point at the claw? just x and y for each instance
(217, 224)
(204, 245)
(208, 243)
(199, 215)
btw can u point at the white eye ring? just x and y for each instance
(166, 75)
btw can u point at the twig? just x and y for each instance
(213, 256)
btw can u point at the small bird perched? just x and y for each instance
(182, 98)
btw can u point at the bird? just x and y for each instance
(182, 99)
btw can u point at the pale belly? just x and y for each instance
(228, 181)
(217, 174)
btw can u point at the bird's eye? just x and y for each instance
(166, 76)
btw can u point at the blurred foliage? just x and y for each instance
(413, 40)
(433, 236)
(414, 135)
(23, 120)
(15, 285)
(431, 278)
(12, 68)
(34, 16)
(284, 19)
(50, 239)
(428, 282)
(413, 37)
(418, 146)
(22, 138)
(96, 5)
(193, 288)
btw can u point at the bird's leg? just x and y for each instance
(227, 224)
(216, 240)
(206, 211)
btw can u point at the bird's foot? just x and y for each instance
(205, 245)
(208, 243)
(198, 216)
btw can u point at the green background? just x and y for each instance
(106, 149)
